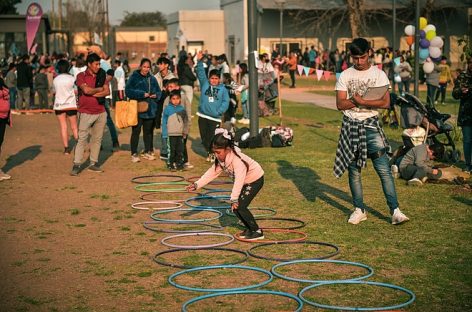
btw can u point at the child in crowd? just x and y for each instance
(414, 166)
(214, 101)
(232, 87)
(174, 130)
(244, 93)
(246, 173)
(41, 85)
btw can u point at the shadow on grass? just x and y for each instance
(197, 146)
(309, 184)
(28, 153)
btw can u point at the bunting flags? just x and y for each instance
(306, 70)
(337, 76)
(319, 74)
(326, 75)
(397, 60)
(300, 69)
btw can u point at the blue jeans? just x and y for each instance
(404, 84)
(431, 94)
(381, 166)
(245, 108)
(12, 92)
(110, 124)
(467, 141)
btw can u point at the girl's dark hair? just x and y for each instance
(214, 72)
(174, 93)
(145, 60)
(220, 142)
(243, 67)
(63, 67)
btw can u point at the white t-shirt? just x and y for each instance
(65, 97)
(357, 82)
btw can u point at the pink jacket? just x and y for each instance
(236, 170)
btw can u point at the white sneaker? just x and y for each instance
(148, 156)
(233, 120)
(399, 217)
(357, 216)
(188, 165)
(135, 158)
(395, 173)
(4, 176)
(415, 182)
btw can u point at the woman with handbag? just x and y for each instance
(4, 119)
(143, 87)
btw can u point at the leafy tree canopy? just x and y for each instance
(8, 6)
(144, 19)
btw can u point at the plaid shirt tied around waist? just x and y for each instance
(352, 144)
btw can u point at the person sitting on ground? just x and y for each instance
(415, 167)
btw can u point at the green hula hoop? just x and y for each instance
(148, 187)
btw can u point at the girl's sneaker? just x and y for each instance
(244, 233)
(255, 235)
(4, 176)
(135, 158)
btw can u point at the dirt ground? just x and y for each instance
(74, 243)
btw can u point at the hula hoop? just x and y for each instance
(391, 286)
(242, 267)
(187, 202)
(178, 178)
(334, 253)
(146, 187)
(152, 196)
(271, 212)
(165, 239)
(147, 225)
(245, 292)
(138, 205)
(300, 222)
(153, 216)
(214, 182)
(207, 188)
(293, 279)
(302, 237)
(195, 251)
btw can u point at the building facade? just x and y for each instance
(196, 30)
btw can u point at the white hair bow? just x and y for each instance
(224, 132)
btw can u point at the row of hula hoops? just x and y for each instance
(204, 229)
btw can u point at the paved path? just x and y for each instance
(302, 95)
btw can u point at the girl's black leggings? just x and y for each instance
(248, 192)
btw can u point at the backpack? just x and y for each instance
(281, 136)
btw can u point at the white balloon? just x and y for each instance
(410, 30)
(429, 27)
(435, 52)
(428, 67)
(397, 78)
(436, 42)
(412, 47)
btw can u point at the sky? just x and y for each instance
(117, 7)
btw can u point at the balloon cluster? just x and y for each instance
(430, 43)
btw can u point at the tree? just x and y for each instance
(8, 6)
(149, 19)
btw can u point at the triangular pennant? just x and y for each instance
(319, 74)
(337, 76)
(397, 60)
(300, 69)
(379, 66)
(326, 75)
(306, 70)
(311, 70)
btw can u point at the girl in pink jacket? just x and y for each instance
(247, 175)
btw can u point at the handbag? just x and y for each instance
(143, 106)
(126, 114)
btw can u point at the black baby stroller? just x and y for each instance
(424, 124)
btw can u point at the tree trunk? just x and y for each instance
(356, 17)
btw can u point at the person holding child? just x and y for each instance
(174, 130)
(214, 101)
(246, 173)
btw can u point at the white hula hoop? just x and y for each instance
(140, 205)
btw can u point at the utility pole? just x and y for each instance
(252, 55)
(107, 43)
(394, 35)
(417, 47)
(59, 25)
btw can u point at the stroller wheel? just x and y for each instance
(455, 156)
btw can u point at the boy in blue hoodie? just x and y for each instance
(214, 101)
(174, 130)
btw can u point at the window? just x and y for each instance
(152, 38)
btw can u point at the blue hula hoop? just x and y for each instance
(187, 202)
(212, 267)
(153, 216)
(217, 191)
(288, 278)
(245, 292)
(271, 212)
(391, 286)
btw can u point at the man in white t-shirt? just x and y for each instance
(361, 135)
